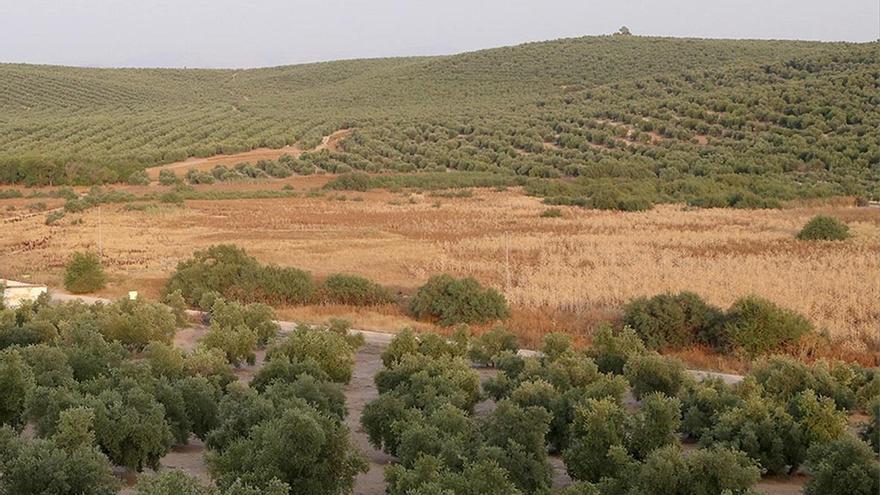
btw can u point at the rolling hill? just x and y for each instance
(715, 122)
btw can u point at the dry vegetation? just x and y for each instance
(565, 273)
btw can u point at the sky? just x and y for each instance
(259, 33)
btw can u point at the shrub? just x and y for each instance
(139, 178)
(45, 466)
(16, 381)
(200, 398)
(84, 274)
(597, 439)
(136, 323)
(352, 290)
(177, 304)
(818, 417)
(483, 477)
(209, 363)
(172, 198)
(611, 350)
(177, 482)
(332, 352)
(256, 317)
(308, 451)
(822, 228)
(54, 217)
(168, 178)
(675, 320)
(654, 425)
(704, 471)
(355, 181)
(236, 342)
(782, 378)
(406, 342)
(654, 373)
(702, 401)
(326, 397)
(871, 431)
(230, 272)
(194, 177)
(515, 437)
(131, 428)
(757, 326)
(485, 348)
(843, 467)
(171, 482)
(551, 213)
(764, 431)
(452, 301)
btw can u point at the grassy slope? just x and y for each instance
(503, 99)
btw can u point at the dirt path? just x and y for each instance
(330, 142)
(360, 391)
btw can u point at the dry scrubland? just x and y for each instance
(565, 273)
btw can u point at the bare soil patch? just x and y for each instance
(330, 142)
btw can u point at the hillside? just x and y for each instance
(664, 119)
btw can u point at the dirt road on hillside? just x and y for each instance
(330, 142)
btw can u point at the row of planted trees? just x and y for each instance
(618, 415)
(102, 385)
(86, 388)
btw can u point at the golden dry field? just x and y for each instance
(567, 273)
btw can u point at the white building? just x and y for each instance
(15, 293)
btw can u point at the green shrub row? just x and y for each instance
(752, 325)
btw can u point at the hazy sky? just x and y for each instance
(230, 33)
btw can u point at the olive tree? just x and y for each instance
(845, 466)
(310, 452)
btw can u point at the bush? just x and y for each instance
(230, 272)
(702, 401)
(764, 431)
(331, 352)
(355, 181)
(782, 378)
(871, 431)
(131, 428)
(597, 439)
(177, 482)
(822, 228)
(16, 381)
(406, 342)
(818, 417)
(256, 317)
(675, 320)
(297, 445)
(485, 348)
(757, 326)
(451, 301)
(168, 178)
(171, 482)
(654, 373)
(611, 350)
(139, 178)
(136, 323)
(842, 467)
(704, 471)
(654, 425)
(54, 217)
(352, 290)
(84, 274)
(47, 466)
(551, 213)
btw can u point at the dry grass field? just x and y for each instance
(565, 273)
